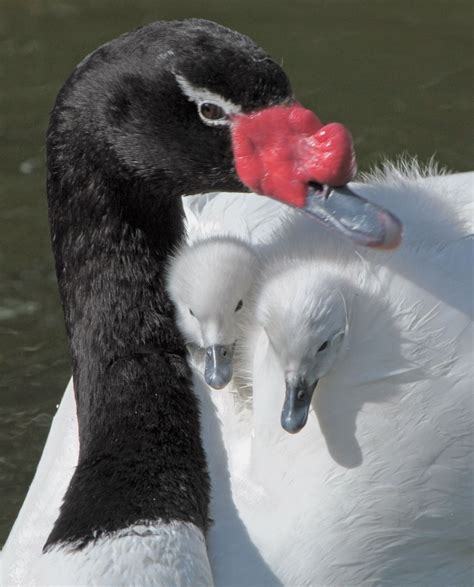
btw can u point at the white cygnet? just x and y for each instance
(209, 282)
(301, 305)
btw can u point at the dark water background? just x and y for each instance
(398, 73)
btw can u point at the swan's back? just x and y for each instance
(435, 207)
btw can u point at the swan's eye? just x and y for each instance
(191, 312)
(212, 113)
(239, 305)
(323, 346)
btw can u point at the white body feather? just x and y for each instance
(139, 556)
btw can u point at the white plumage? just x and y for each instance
(377, 487)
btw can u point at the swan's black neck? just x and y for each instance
(141, 458)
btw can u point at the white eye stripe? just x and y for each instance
(202, 95)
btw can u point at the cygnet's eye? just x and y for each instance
(212, 113)
(323, 346)
(239, 305)
(191, 312)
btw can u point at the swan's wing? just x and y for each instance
(41, 506)
(247, 216)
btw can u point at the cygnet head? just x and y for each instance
(209, 283)
(304, 312)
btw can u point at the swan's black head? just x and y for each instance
(178, 108)
(136, 108)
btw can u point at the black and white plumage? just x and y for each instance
(127, 138)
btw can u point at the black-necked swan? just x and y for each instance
(171, 109)
(209, 282)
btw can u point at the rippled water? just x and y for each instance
(397, 72)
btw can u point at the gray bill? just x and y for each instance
(218, 365)
(358, 219)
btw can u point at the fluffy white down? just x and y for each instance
(385, 495)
